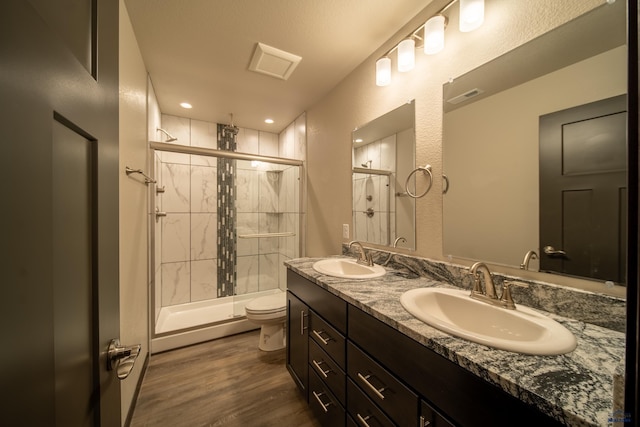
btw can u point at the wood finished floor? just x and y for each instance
(225, 382)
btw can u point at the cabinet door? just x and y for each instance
(430, 418)
(297, 341)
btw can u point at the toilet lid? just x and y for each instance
(268, 303)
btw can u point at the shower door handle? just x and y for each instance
(121, 358)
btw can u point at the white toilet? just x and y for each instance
(271, 313)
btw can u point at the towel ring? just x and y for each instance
(426, 169)
(445, 179)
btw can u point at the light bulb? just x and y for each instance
(406, 55)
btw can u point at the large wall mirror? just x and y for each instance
(496, 152)
(383, 157)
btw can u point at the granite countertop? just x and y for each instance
(574, 388)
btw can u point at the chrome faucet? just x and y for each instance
(399, 239)
(528, 257)
(489, 287)
(364, 258)
(489, 295)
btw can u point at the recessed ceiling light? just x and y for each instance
(269, 121)
(186, 105)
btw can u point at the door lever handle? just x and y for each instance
(551, 251)
(121, 358)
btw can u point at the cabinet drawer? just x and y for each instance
(323, 302)
(324, 404)
(398, 402)
(328, 338)
(328, 371)
(363, 411)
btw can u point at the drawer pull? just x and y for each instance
(302, 327)
(322, 371)
(424, 422)
(362, 420)
(324, 341)
(377, 391)
(324, 406)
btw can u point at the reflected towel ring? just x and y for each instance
(445, 179)
(426, 169)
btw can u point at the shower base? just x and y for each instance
(191, 323)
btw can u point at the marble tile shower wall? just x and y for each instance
(372, 192)
(267, 201)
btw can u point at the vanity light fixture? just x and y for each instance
(471, 17)
(471, 14)
(406, 55)
(383, 71)
(434, 34)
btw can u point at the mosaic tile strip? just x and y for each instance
(227, 239)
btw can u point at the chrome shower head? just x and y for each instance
(170, 138)
(367, 164)
(230, 128)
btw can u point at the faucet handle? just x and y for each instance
(506, 297)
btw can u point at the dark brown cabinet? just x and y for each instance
(297, 341)
(429, 417)
(360, 371)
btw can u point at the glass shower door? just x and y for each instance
(268, 224)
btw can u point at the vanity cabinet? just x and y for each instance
(297, 341)
(316, 347)
(359, 371)
(429, 417)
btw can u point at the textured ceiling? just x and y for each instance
(199, 51)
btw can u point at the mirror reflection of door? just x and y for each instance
(583, 195)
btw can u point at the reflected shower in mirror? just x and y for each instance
(492, 147)
(383, 157)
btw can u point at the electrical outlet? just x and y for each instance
(345, 231)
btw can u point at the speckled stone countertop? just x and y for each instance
(574, 388)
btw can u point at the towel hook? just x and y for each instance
(425, 170)
(147, 180)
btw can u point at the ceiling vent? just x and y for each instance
(273, 62)
(467, 95)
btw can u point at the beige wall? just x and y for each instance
(357, 100)
(133, 204)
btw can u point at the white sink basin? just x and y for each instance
(522, 330)
(348, 269)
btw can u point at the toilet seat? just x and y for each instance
(270, 304)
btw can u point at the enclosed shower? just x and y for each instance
(224, 223)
